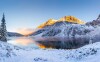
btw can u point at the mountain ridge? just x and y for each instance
(11, 34)
(70, 19)
(94, 22)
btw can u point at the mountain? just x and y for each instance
(69, 32)
(64, 35)
(94, 22)
(11, 34)
(66, 26)
(49, 22)
(70, 19)
(58, 25)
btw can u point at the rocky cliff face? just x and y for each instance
(94, 22)
(48, 23)
(72, 19)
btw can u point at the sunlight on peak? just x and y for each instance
(49, 22)
(71, 19)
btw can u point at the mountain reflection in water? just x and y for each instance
(62, 42)
(52, 42)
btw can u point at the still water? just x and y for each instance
(49, 42)
(40, 42)
(23, 41)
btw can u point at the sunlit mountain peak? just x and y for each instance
(71, 19)
(49, 22)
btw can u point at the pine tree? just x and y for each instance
(3, 31)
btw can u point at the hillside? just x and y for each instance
(14, 34)
(95, 22)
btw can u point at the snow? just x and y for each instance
(62, 29)
(11, 53)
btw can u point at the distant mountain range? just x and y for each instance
(13, 34)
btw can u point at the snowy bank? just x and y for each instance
(88, 53)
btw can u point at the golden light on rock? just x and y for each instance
(49, 22)
(71, 19)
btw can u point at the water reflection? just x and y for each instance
(24, 41)
(51, 42)
(62, 42)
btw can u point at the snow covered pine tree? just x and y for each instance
(3, 31)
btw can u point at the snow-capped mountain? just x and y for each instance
(65, 29)
(70, 19)
(48, 23)
(94, 22)
(66, 26)
(66, 34)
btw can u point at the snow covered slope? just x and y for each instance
(94, 22)
(7, 51)
(88, 53)
(63, 29)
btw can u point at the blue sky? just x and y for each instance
(31, 13)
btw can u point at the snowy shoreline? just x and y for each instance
(11, 53)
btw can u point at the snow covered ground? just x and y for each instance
(88, 53)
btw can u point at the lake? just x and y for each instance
(23, 41)
(49, 42)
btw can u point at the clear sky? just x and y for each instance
(31, 13)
